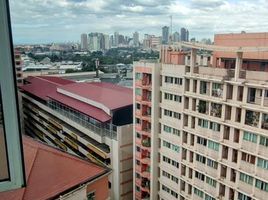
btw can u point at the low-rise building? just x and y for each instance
(54, 174)
(92, 120)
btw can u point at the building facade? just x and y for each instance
(85, 119)
(84, 42)
(201, 128)
(18, 66)
(165, 35)
(184, 34)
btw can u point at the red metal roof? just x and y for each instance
(51, 172)
(41, 86)
(108, 94)
(85, 108)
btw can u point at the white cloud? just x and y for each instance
(64, 20)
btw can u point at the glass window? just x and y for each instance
(262, 163)
(261, 185)
(246, 178)
(213, 145)
(91, 196)
(264, 141)
(251, 137)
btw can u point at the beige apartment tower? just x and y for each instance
(201, 121)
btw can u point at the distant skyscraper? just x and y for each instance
(84, 44)
(165, 34)
(176, 37)
(184, 34)
(116, 39)
(136, 39)
(106, 42)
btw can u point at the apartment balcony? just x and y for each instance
(138, 141)
(245, 187)
(252, 118)
(138, 113)
(249, 146)
(138, 98)
(217, 92)
(145, 185)
(138, 127)
(138, 168)
(142, 195)
(216, 110)
(264, 123)
(256, 75)
(138, 83)
(146, 143)
(145, 174)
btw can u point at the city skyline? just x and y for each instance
(49, 21)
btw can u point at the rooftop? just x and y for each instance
(51, 172)
(92, 99)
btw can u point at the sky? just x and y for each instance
(46, 21)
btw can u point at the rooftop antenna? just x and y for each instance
(170, 37)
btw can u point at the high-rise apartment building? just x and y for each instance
(91, 120)
(184, 34)
(18, 66)
(136, 41)
(165, 35)
(106, 42)
(116, 39)
(84, 42)
(176, 37)
(201, 121)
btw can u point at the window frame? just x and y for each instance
(10, 104)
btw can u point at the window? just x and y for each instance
(203, 87)
(211, 182)
(177, 115)
(262, 163)
(171, 162)
(215, 126)
(207, 197)
(202, 141)
(138, 106)
(243, 197)
(171, 146)
(178, 81)
(248, 158)
(264, 141)
(177, 98)
(168, 79)
(138, 76)
(91, 196)
(212, 163)
(251, 137)
(167, 112)
(213, 145)
(11, 158)
(261, 185)
(203, 123)
(199, 176)
(138, 91)
(246, 178)
(200, 158)
(199, 192)
(168, 96)
(167, 129)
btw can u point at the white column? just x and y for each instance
(238, 64)
(193, 60)
(262, 97)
